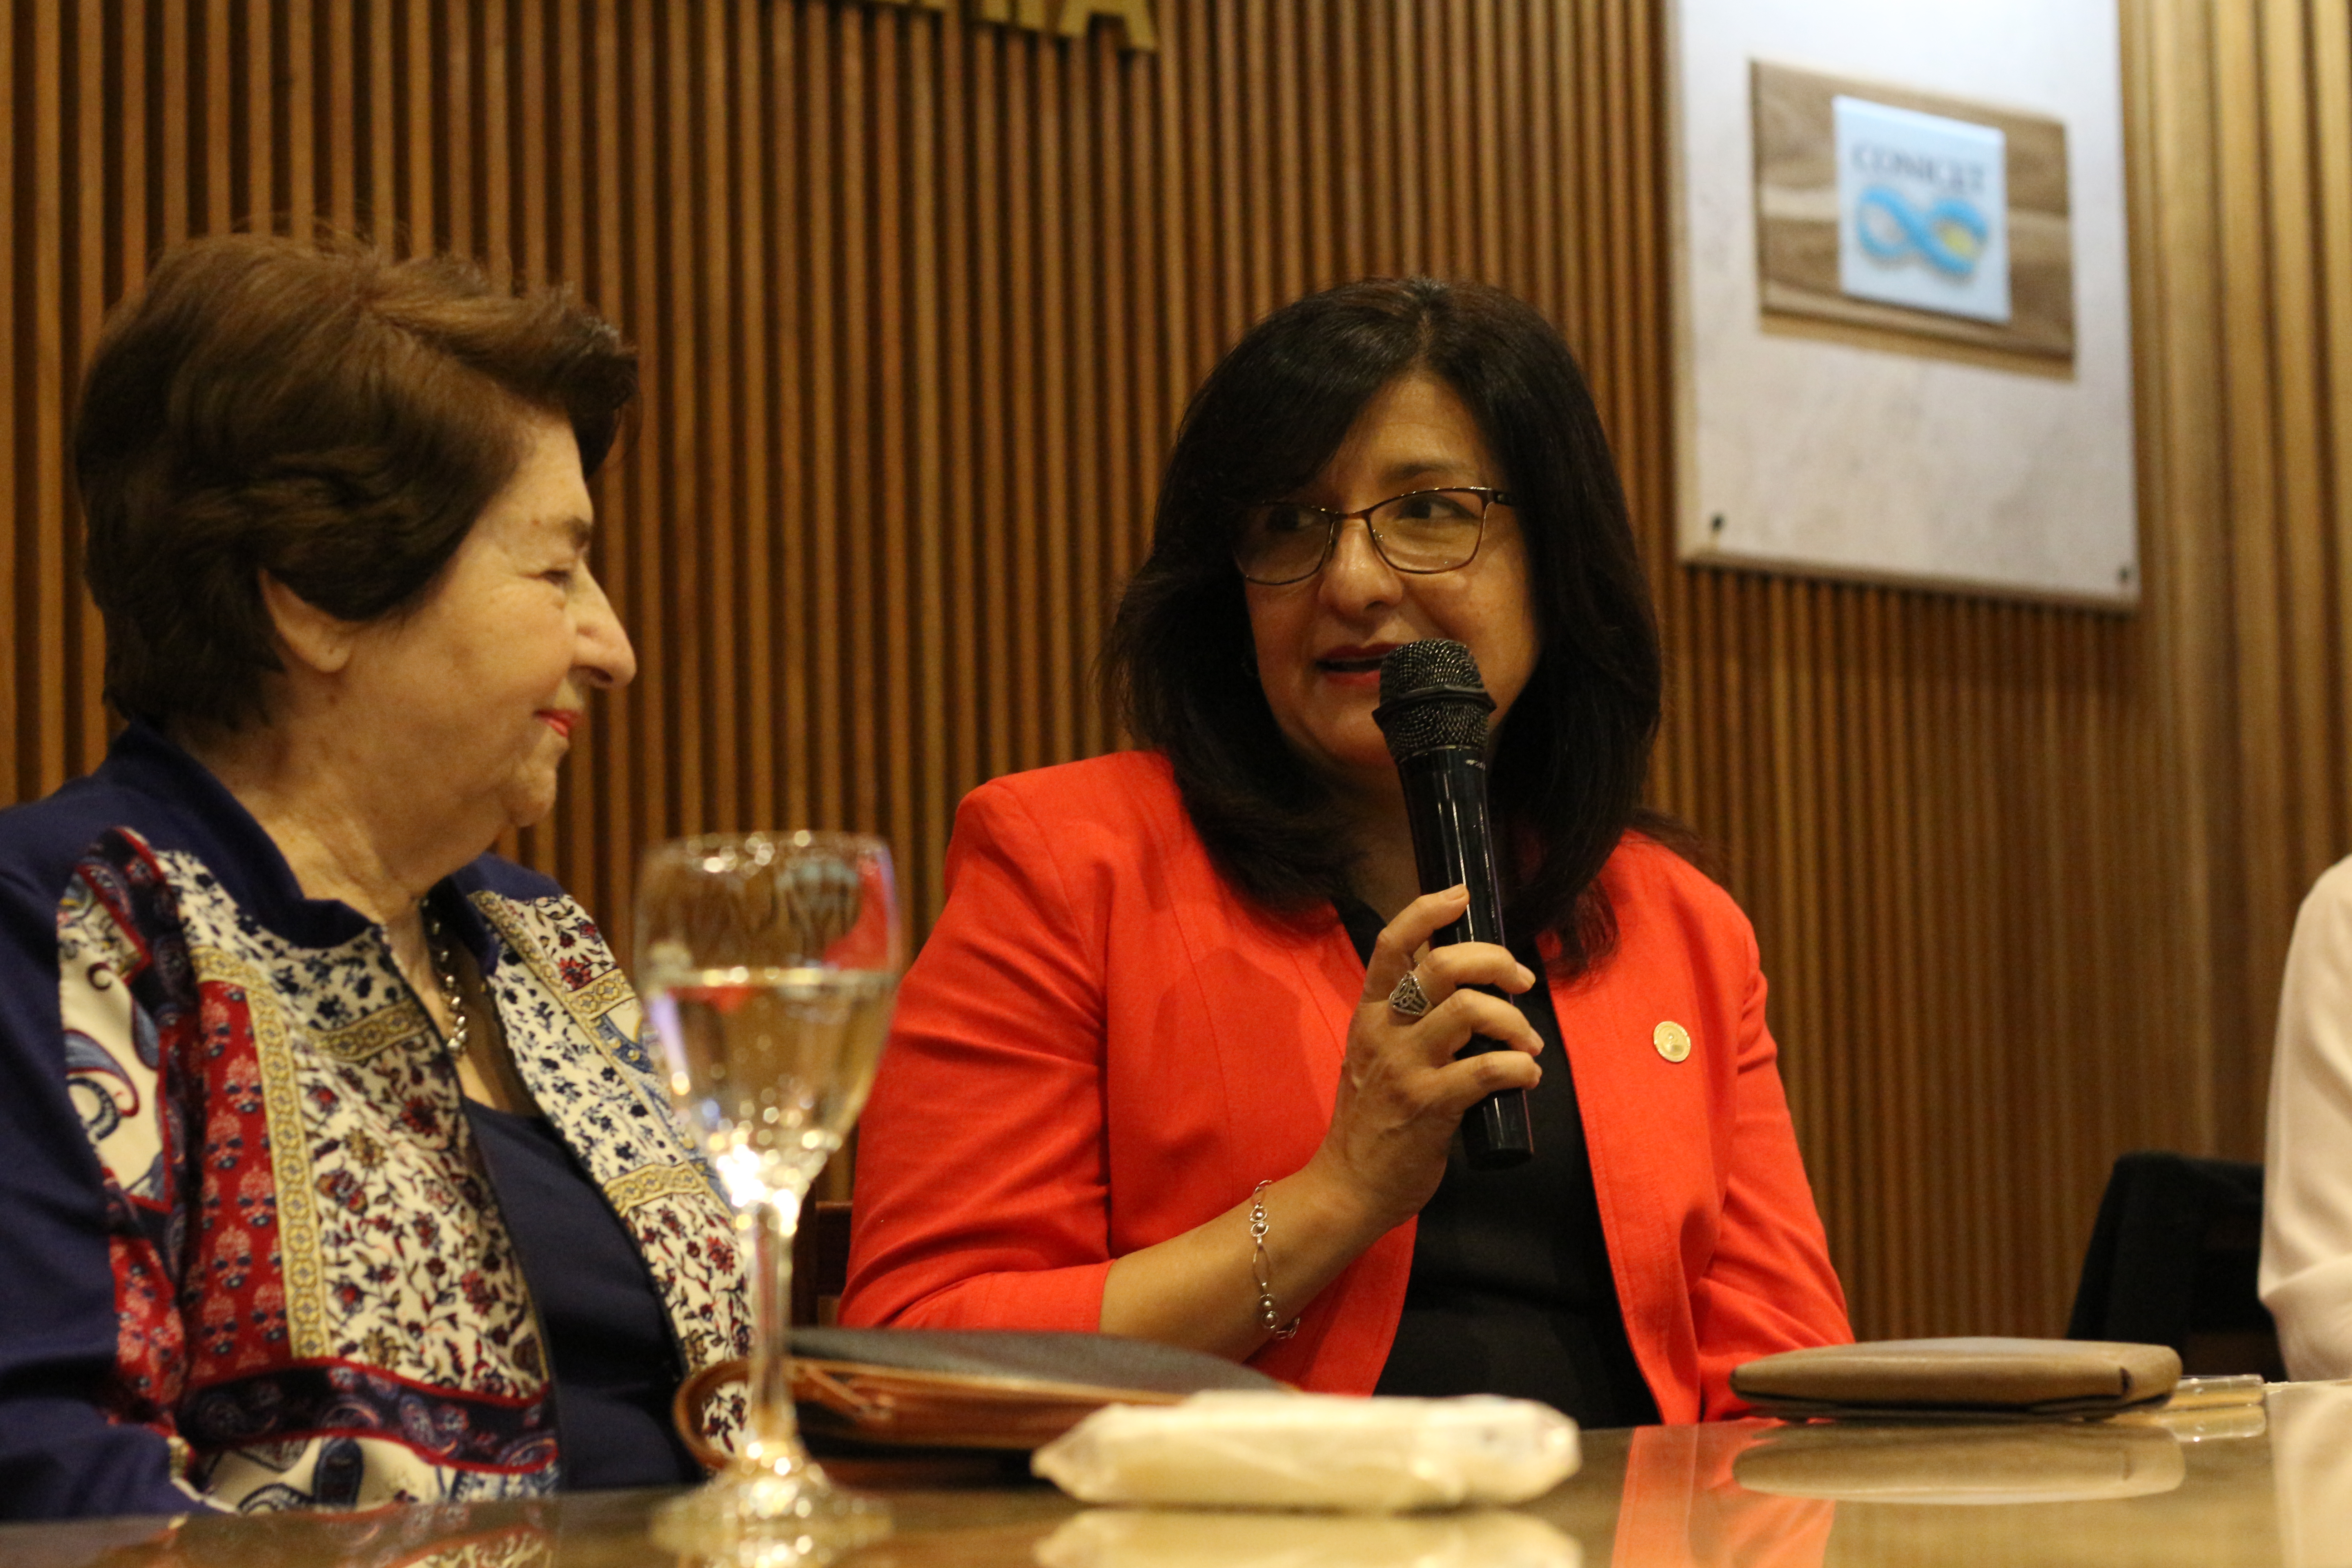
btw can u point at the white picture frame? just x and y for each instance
(1869, 454)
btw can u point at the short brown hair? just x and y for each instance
(318, 411)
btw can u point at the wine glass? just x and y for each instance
(767, 964)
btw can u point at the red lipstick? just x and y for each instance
(1354, 664)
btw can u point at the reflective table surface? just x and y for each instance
(2256, 1484)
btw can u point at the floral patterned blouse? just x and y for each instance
(249, 1254)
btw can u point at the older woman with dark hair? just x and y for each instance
(335, 1175)
(1156, 1071)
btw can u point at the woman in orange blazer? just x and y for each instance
(1177, 1061)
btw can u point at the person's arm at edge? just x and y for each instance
(2306, 1261)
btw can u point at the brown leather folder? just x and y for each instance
(1961, 1380)
(897, 1388)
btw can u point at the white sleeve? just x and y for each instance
(2306, 1272)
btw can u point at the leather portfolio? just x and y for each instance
(857, 1389)
(1960, 1379)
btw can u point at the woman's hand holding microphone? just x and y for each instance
(1401, 1091)
(1400, 1095)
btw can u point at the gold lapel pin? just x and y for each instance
(1672, 1039)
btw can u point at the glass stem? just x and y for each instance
(772, 1433)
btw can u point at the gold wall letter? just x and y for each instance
(1015, 13)
(1134, 18)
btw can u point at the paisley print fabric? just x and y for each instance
(316, 1296)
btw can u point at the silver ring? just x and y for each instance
(1409, 998)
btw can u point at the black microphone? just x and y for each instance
(1433, 713)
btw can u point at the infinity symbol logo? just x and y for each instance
(1951, 235)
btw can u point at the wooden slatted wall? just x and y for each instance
(921, 297)
(2243, 114)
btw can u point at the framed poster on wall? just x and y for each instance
(1902, 308)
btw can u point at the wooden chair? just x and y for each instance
(820, 1263)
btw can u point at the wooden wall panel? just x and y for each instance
(2241, 117)
(921, 298)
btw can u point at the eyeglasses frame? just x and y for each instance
(1491, 498)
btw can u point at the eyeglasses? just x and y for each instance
(1428, 530)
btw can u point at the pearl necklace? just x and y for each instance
(444, 969)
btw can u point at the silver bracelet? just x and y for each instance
(1268, 1317)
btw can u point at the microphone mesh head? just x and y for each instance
(1431, 697)
(1431, 662)
(1429, 726)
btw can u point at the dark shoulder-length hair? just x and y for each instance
(320, 411)
(1569, 762)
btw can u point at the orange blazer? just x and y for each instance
(1103, 1045)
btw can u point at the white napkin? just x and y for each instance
(1314, 1451)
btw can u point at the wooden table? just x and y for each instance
(2258, 1485)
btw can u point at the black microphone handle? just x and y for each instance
(1445, 801)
